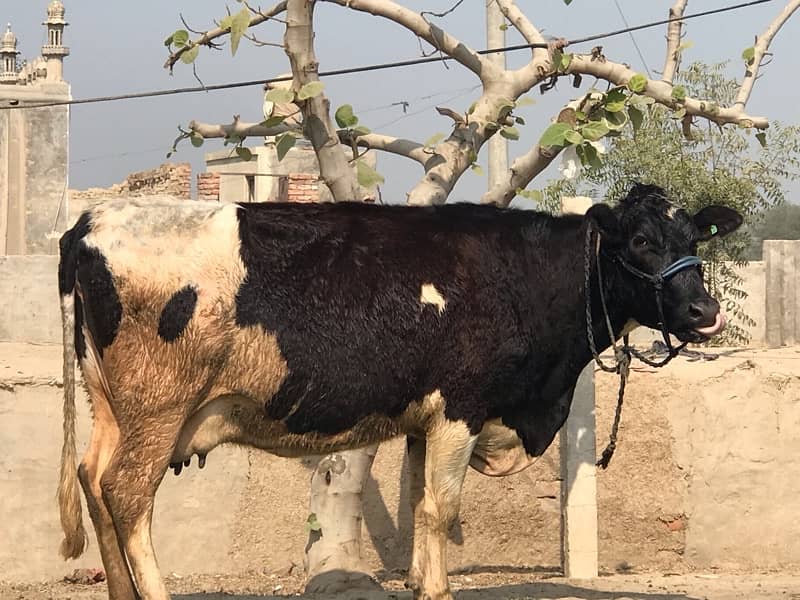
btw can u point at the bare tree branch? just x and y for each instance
(391, 144)
(527, 29)
(370, 141)
(523, 170)
(317, 126)
(760, 49)
(674, 29)
(209, 36)
(661, 92)
(237, 128)
(435, 36)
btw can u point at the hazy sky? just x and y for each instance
(118, 48)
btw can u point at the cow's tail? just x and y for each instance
(69, 499)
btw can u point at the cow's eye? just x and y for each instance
(639, 241)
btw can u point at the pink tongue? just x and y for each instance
(719, 325)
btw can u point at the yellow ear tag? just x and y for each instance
(714, 230)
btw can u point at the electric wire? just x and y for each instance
(15, 105)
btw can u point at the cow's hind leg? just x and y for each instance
(437, 467)
(101, 445)
(129, 486)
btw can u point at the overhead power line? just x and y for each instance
(375, 67)
(633, 39)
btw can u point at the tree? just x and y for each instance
(695, 162)
(781, 222)
(586, 119)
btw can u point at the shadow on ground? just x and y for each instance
(537, 591)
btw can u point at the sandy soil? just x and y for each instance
(474, 586)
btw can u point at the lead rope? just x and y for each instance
(622, 355)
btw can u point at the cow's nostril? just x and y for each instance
(695, 312)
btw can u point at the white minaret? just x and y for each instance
(54, 50)
(8, 57)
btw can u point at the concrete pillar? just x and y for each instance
(782, 259)
(498, 145)
(578, 456)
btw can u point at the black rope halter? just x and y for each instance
(623, 354)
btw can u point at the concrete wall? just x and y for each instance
(33, 164)
(707, 457)
(29, 292)
(266, 171)
(782, 292)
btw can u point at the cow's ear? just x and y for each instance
(716, 221)
(607, 222)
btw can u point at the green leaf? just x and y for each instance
(226, 22)
(573, 137)
(279, 95)
(196, 139)
(679, 93)
(615, 120)
(524, 101)
(367, 176)
(189, 56)
(555, 135)
(594, 130)
(564, 62)
(685, 45)
(239, 24)
(471, 108)
(180, 38)
(433, 140)
(637, 83)
(272, 121)
(344, 116)
(283, 144)
(361, 130)
(567, 2)
(640, 102)
(615, 107)
(477, 169)
(519, 120)
(310, 90)
(312, 524)
(749, 55)
(504, 27)
(679, 114)
(244, 153)
(168, 41)
(615, 100)
(636, 116)
(762, 139)
(510, 133)
(616, 95)
(589, 156)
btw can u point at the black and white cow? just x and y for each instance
(306, 329)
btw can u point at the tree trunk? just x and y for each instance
(333, 553)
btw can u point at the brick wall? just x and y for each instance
(208, 186)
(302, 187)
(174, 179)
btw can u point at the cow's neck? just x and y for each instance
(565, 351)
(571, 346)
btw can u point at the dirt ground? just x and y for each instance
(473, 586)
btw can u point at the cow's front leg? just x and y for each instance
(437, 466)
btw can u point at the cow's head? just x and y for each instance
(648, 234)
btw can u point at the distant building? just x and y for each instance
(34, 142)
